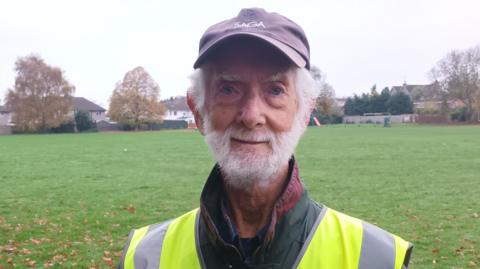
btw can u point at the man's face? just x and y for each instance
(251, 121)
(252, 89)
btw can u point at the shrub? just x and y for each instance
(83, 121)
(66, 127)
(459, 114)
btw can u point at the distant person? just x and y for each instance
(252, 95)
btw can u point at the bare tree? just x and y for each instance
(476, 104)
(135, 100)
(326, 100)
(41, 98)
(458, 75)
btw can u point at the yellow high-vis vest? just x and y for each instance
(336, 241)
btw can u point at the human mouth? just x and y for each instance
(249, 142)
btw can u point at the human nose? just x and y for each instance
(252, 111)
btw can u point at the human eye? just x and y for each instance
(276, 90)
(227, 89)
(227, 92)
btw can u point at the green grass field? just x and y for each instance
(69, 201)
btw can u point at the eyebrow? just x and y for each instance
(228, 77)
(238, 78)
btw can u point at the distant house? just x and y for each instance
(418, 92)
(177, 109)
(426, 96)
(340, 102)
(5, 116)
(410, 88)
(97, 113)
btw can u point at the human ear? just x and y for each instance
(196, 115)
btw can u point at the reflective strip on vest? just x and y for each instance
(179, 247)
(335, 241)
(170, 244)
(137, 236)
(341, 241)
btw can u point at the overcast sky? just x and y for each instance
(355, 43)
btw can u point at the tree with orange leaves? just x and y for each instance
(135, 100)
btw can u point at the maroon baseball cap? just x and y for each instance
(273, 28)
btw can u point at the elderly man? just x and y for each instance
(252, 95)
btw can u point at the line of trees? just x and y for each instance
(41, 99)
(328, 112)
(454, 77)
(395, 103)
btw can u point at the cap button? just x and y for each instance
(248, 13)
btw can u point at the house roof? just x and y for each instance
(80, 103)
(178, 103)
(410, 87)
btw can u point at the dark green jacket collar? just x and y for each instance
(292, 218)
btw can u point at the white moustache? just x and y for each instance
(250, 136)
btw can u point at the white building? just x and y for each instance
(5, 116)
(177, 109)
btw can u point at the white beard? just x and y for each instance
(242, 168)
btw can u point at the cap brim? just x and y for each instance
(289, 52)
